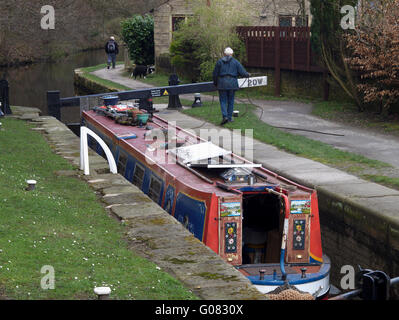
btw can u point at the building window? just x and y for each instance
(301, 21)
(138, 175)
(176, 21)
(285, 21)
(290, 21)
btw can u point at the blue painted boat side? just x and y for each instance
(169, 199)
(191, 213)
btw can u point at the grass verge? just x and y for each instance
(61, 224)
(347, 112)
(298, 145)
(87, 73)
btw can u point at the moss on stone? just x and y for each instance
(216, 276)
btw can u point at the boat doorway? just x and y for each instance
(263, 220)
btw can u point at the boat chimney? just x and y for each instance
(303, 270)
(262, 274)
(251, 180)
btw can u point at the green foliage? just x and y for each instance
(200, 42)
(329, 44)
(138, 34)
(185, 54)
(326, 22)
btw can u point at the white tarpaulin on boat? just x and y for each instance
(197, 152)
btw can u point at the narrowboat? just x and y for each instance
(263, 224)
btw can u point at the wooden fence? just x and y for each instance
(286, 48)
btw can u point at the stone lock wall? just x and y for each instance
(355, 236)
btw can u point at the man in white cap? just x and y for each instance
(225, 74)
(112, 49)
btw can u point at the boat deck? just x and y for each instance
(254, 269)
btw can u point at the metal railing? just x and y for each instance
(55, 103)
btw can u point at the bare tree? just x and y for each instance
(79, 24)
(375, 52)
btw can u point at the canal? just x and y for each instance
(29, 84)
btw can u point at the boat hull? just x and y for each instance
(215, 215)
(315, 282)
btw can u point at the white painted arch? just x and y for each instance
(84, 151)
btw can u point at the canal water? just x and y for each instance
(29, 84)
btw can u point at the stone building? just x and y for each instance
(265, 13)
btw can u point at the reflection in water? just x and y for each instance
(29, 84)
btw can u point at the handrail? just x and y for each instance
(84, 151)
(357, 292)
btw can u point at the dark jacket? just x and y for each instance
(226, 71)
(116, 47)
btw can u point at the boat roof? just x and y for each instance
(191, 160)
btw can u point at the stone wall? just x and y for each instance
(355, 236)
(163, 23)
(265, 13)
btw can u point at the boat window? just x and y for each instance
(122, 161)
(138, 175)
(155, 188)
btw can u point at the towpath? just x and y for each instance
(298, 118)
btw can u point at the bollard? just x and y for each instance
(102, 292)
(54, 104)
(4, 97)
(31, 185)
(174, 100)
(197, 100)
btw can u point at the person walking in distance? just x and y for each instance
(225, 74)
(112, 49)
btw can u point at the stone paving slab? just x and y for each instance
(126, 198)
(358, 188)
(129, 211)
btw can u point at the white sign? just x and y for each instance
(252, 82)
(348, 21)
(48, 20)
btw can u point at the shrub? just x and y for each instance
(138, 34)
(200, 42)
